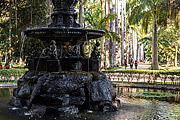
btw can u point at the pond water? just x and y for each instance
(132, 108)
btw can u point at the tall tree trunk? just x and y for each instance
(102, 40)
(135, 44)
(16, 13)
(138, 53)
(5, 57)
(119, 31)
(132, 39)
(112, 43)
(142, 52)
(102, 52)
(107, 63)
(10, 32)
(123, 23)
(175, 56)
(31, 22)
(81, 13)
(129, 49)
(107, 41)
(116, 48)
(155, 65)
(114, 30)
(49, 11)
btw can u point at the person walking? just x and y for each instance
(131, 64)
(125, 63)
(136, 64)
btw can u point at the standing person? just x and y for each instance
(125, 63)
(136, 64)
(1, 66)
(7, 66)
(131, 64)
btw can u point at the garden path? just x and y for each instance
(141, 66)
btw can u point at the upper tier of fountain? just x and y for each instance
(64, 26)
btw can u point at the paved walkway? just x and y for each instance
(8, 85)
(171, 68)
(146, 66)
(141, 66)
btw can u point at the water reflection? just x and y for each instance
(132, 108)
(5, 94)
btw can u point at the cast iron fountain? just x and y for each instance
(63, 80)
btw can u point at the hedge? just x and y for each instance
(150, 72)
(12, 72)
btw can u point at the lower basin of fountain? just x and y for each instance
(64, 93)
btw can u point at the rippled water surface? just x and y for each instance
(132, 108)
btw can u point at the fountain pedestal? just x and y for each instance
(53, 66)
(64, 93)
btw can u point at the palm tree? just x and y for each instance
(151, 12)
(123, 27)
(167, 45)
(10, 30)
(97, 20)
(81, 13)
(103, 7)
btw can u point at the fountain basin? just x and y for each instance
(64, 34)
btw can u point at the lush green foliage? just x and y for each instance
(12, 72)
(15, 17)
(113, 69)
(95, 18)
(165, 13)
(146, 11)
(168, 39)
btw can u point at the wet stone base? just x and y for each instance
(64, 93)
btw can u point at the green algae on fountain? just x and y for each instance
(151, 95)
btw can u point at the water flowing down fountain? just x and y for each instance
(63, 80)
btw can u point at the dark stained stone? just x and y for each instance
(79, 92)
(99, 91)
(38, 110)
(102, 76)
(24, 91)
(63, 84)
(109, 108)
(68, 110)
(77, 100)
(111, 88)
(16, 102)
(15, 92)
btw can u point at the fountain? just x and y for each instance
(63, 80)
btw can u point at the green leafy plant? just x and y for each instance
(151, 95)
(6, 74)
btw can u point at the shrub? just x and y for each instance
(150, 72)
